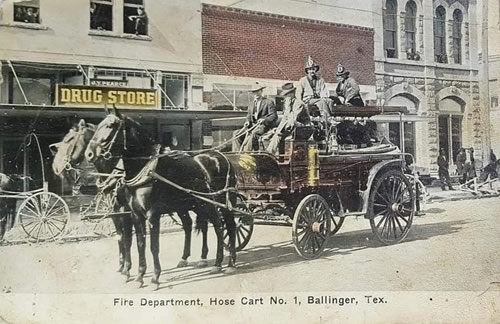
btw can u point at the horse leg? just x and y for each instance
(202, 225)
(187, 225)
(213, 216)
(127, 243)
(140, 233)
(117, 221)
(154, 223)
(231, 230)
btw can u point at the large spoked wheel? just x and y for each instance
(43, 216)
(311, 226)
(244, 225)
(105, 205)
(391, 206)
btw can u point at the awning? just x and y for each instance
(8, 110)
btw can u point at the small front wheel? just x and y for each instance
(311, 226)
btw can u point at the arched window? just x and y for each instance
(457, 36)
(440, 35)
(410, 28)
(390, 28)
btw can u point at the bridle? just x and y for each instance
(108, 147)
(71, 150)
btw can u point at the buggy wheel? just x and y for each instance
(43, 216)
(103, 225)
(244, 225)
(391, 206)
(311, 226)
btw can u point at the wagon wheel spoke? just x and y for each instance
(55, 212)
(399, 224)
(381, 196)
(31, 210)
(49, 211)
(54, 224)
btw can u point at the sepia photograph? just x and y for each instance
(249, 161)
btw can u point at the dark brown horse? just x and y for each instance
(68, 156)
(148, 197)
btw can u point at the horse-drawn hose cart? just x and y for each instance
(42, 215)
(317, 187)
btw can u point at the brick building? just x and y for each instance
(417, 53)
(241, 46)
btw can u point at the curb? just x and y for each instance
(438, 199)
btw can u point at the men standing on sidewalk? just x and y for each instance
(443, 170)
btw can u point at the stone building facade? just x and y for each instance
(426, 57)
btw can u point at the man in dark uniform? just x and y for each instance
(443, 172)
(347, 88)
(261, 118)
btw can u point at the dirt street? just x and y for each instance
(454, 247)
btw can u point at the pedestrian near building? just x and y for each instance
(443, 170)
(261, 118)
(295, 114)
(460, 161)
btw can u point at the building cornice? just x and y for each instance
(283, 17)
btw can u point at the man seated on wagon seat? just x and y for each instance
(347, 88)
(312, 89)
(295, 114)
(261, 114)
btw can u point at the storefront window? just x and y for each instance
(227, 98)
(176, 91)
(408, 138)
(37, 89)
(450, 135)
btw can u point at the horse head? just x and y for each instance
(69, 153)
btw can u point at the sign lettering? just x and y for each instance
(89, 96)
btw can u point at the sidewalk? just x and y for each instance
(438, 195)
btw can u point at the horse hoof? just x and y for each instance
(140, 283)
(155, 283)
(120, 269)
(215, 270)
(230, 270)
(126, 276)
(182, 264)
(202, 264)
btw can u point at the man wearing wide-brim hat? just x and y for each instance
(261, 118)
(295, 113)
(347, 88)
(312, 88)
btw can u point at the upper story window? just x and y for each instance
(411, 29)
(440, 35)
(457, 36)
(390, 29)
(101, 15)
(27, 11)
(135, 20)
